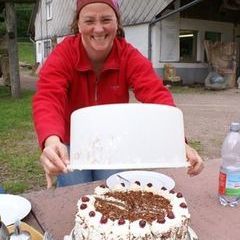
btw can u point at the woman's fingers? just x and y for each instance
(50, 180)
(53, 158)
(195, 168)
(196, 162)
(63, 153)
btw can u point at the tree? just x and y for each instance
(11, 28)
(23, 14)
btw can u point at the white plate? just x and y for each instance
(13, 208)
(158, 180)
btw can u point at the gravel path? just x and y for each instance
(207, 117)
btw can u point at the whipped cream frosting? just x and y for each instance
(134, 213)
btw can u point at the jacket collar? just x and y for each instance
(84, 63)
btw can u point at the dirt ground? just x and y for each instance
(207, 115)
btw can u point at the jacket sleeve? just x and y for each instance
(147, 85)
(50, 100)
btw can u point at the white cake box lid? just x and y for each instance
(125, 136)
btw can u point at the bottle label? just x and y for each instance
(229, 184)
(222, 183)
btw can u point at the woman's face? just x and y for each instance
(98, 26)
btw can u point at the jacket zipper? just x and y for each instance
(96, 91)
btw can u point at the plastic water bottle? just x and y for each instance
(229, 177)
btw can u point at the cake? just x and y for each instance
(131, 213)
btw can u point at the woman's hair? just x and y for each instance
(74, 26)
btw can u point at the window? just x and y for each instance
(213, 36)
(188, 45)
(47, 47)
(48, 9)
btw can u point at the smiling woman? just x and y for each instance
(113, 4)
(95, 66)
(98, 25)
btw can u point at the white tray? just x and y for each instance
(125, 136)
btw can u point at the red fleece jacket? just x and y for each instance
(67, 82)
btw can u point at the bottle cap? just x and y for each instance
(235, 127)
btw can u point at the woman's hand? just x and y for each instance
(54, 159)
(196, 162)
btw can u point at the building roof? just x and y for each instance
(139, 11)
(19, 1)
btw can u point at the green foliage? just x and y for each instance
(2, 6)
(23, 12)
(23, 15)
(2, 23)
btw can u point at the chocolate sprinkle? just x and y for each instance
(133, 205)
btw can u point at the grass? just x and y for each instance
(188, 89)
(196, 145)
(26, 52)
(19, 153)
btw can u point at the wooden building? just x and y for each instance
(166, 31)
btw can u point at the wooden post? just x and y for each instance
(11, 26)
